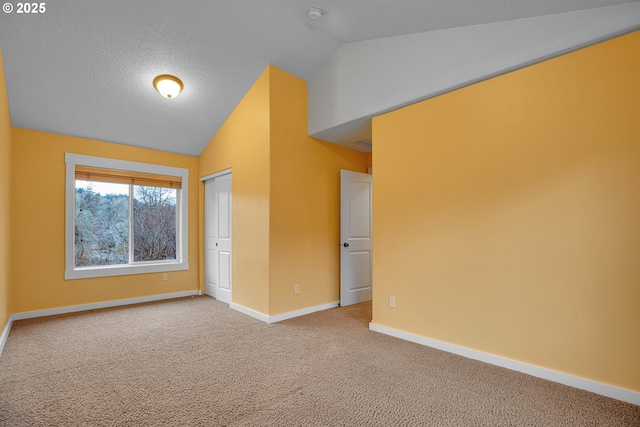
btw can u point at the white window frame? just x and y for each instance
(182, 232)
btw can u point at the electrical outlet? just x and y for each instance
(296, 289)
(392, 302)
(164, 276)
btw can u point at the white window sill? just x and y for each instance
(123, 270)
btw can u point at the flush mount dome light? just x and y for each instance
(168, 86)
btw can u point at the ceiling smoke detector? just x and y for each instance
(315, 13)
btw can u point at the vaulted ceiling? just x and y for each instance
(85, 68)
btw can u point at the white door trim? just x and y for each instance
(215, 175)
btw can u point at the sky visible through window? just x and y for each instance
(103, 188)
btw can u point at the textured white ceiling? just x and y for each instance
(85, 68)
(357, 20)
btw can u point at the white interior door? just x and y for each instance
(217, 213)
(355, 237)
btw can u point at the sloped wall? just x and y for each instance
(286, 198)
(372, 77)
(242, 143)
(304, 202)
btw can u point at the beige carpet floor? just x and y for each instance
(195, 362)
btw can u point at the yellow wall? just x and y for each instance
(507, 215)
(286, 195)
(285, 208)
(5, 180)
(38, 209)
(242, 143)
(304, 202)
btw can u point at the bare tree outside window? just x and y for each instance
(102, 224)
(154, 223)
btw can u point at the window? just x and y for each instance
(124, 217)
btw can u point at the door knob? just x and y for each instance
(216, 243)
(346, 245)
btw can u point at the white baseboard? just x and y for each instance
(284, 316)
(104, 304)
(302, 312)
(249, 312)
(5, 333)
(607, 390)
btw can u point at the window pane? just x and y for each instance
(154, 223)
(102, 224)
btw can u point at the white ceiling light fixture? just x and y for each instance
(315, 13)
(169, 86)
